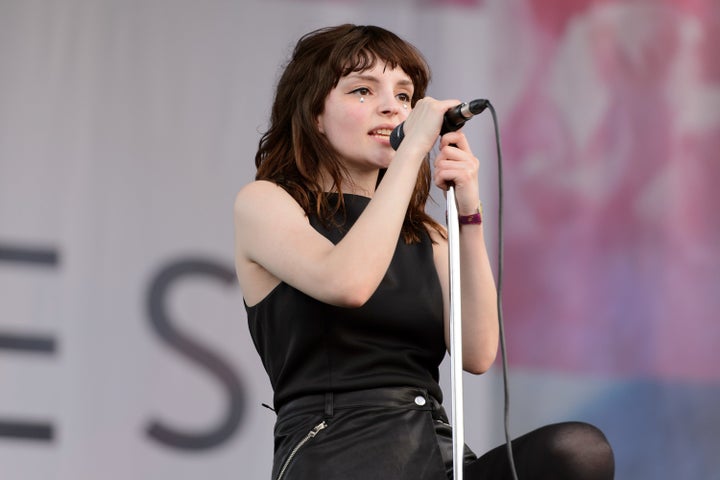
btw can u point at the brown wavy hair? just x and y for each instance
(293, 153)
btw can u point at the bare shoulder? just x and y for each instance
(259, 187)
(261, 195)
(268, 207)
(266, 219)
(265, 212)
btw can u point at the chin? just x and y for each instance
(384, 164)
(386, 160)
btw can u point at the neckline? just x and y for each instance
(354, 195)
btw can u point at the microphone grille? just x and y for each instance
(396, 136)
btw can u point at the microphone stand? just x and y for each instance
(453, 120)
(458, 436)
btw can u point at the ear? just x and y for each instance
(319, 123)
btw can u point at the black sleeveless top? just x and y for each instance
(395, 339)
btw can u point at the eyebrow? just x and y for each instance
(374, 79)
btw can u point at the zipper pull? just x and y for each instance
(318, 427)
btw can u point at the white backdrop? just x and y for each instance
(126, 128)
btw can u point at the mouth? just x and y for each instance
(381, 133)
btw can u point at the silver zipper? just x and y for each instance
(311, 434)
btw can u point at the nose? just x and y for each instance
(390, 105)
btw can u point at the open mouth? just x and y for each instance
(381, 132)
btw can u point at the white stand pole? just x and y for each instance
(455, 335)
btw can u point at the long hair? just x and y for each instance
(294, 154)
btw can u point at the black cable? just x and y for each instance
(501, 254)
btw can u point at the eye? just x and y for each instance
(362, 91)
(404, 97)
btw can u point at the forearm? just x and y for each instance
(367, 249)
(478, 301)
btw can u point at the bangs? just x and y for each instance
(372, 44)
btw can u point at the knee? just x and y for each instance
(582, 451)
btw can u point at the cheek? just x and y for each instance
(344, 122)
(351, 114)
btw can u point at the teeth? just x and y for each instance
(382, 131)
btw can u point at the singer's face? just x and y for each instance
(361, 111)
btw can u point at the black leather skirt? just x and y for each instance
(398, 433)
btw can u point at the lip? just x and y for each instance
(384, 136)
(385, 126)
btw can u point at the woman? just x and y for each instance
(345, 276)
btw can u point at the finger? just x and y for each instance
(459, 175)
(426, 119)
(451, 156)
(448, 104)
(466, 188)
(458, 165)
(455, 138)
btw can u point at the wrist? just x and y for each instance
(474, 218)
(415, 147)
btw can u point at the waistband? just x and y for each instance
(412, 398)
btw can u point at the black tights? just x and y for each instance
(562, 451)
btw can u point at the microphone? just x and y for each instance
(454, 119)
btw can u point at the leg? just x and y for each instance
(563, 451)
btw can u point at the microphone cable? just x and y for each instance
(501, 323)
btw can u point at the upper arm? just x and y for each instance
(274, 240)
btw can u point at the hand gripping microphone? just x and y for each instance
(454, 119)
